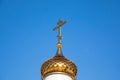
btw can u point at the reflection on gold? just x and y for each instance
(59, 64)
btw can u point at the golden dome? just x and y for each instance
(59, 64)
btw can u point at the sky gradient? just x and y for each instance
(91, 37)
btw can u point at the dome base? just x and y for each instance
(58, 76)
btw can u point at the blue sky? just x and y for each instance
(91, 37)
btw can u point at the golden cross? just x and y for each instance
(60, 23)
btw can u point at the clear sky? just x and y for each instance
(91, 37)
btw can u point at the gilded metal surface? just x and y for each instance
(59, 64)
(59, 27)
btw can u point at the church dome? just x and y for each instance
(59, 64)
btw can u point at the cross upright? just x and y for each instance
(60, 23)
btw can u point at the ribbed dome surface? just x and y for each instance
(59, 64)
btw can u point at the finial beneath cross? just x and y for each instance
(60, 23)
